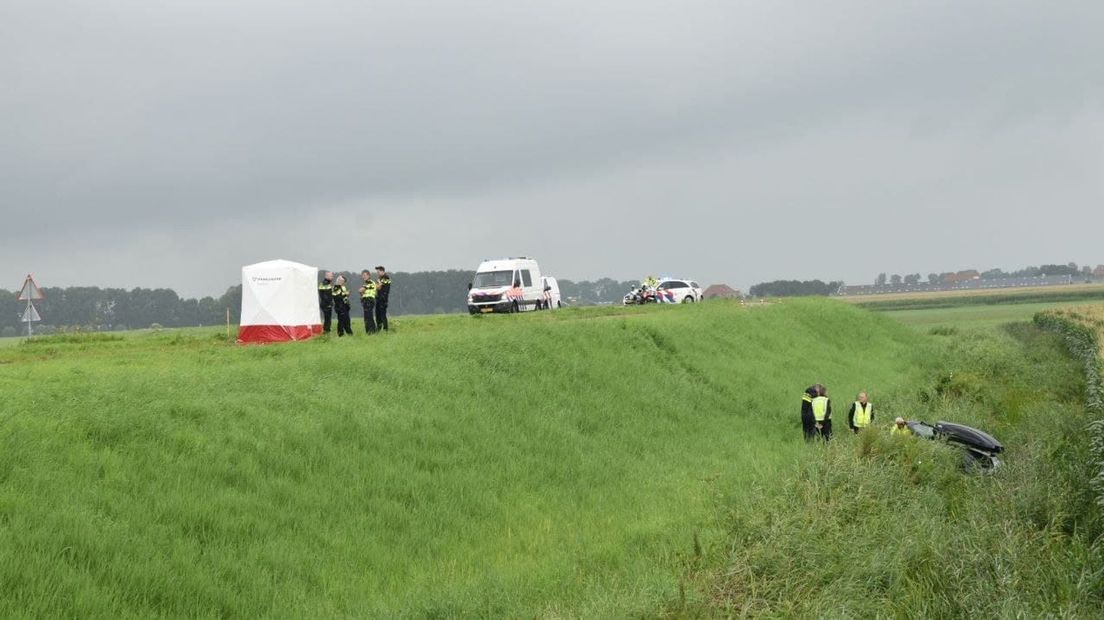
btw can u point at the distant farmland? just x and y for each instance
(1034, 294)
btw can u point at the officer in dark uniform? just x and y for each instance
(325, 299)
(383, 295)
(808, 421)
(368, 301)
(341, 305)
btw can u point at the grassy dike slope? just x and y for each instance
(879, 526)
(555, 464)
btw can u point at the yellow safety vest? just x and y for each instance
(369, 290)
(820, 408)
(900, 430)
(862, 416)
(341, 294)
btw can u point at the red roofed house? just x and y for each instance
(962, 276)
(721, 291)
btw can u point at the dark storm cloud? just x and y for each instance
(140, 131)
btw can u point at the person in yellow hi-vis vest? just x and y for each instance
(861, 414)
(822, 413)
(900, 429)
(368, 301)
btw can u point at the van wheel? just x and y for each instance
(689, 299)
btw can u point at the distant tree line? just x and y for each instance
(1069, 269)
(91, 307)
(794, 288)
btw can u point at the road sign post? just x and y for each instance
(30, 293)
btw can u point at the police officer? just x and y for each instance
(325, 299)
(368, 301)
(341, 305)
(822, 413)
(808, 424)
(383, 295)
(861, 414)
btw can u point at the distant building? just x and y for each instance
(721, 291)
(1098, 272)
(962, 276)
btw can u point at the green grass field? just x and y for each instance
(582, 463)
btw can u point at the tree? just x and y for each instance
(880, 280)
(895, 279)
(1058, 270)
(912, 279)
(933, 278)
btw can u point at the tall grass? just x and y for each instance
(1083, 332)
(879, 526)
(583, 463)
(560, 464)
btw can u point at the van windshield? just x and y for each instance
(491, 279)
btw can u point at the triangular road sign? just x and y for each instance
(30, 314)
(30, 290)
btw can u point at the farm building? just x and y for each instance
(721, 291)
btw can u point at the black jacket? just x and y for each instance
(325, 295)
(383, 291)
(341, 298)
(807, 403)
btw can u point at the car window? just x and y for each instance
(526, 277)
(664, 286)
(695, 285)
(674, 284)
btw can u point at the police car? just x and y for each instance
(677, 291)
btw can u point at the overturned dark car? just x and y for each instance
(980, 448)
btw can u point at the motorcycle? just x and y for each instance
(640, 295)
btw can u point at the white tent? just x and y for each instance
(279, 302)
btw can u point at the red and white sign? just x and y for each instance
(279, 302)
(30, 290)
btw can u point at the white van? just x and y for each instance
(494, 278)
(551, 288)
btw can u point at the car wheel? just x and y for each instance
(689, 299)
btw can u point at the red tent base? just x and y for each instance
(260, 334)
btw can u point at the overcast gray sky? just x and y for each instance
(151, 143)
